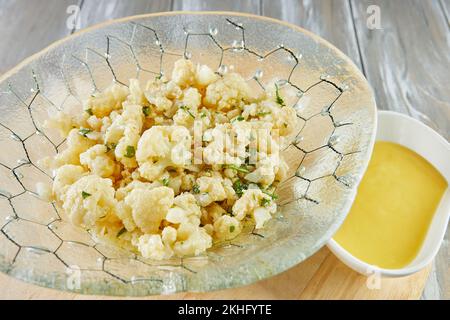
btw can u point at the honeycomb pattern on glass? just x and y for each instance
(37, 242)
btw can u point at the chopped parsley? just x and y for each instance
(242, 169)
(265, 202)
(165, 182)
(232, 228)
(185, 108)
(84, 131)
(239, 187)
(272, 195)
(121, 232)
(89, 111)
(262, 114)
(196, 189)
(203, 115)
(240, 118)
(146, 111)
(130, 152)
(279, 99)
(85, 194)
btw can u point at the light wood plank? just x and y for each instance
(319, 277)
(26, 27)
(331, 19)
(249, 6)
(333, 280)
(407, 60)
(97, 11)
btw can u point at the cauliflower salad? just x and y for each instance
(171, 168)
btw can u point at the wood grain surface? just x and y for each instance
(406, 61)
(322, 276)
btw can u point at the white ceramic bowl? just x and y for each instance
(413, 134)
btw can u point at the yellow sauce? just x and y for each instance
(393, 209)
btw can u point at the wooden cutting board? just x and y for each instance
(322, 276)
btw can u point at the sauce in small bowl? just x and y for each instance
(401, 211)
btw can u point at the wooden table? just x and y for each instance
(406, 60)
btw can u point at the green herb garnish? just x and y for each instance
(146, 111)
(265, 202)
(131, 151)
(185, 108)
(165, 182)
(272, 195)
(196, 189)
(85, 194)
(240, 118)
(239, 187)
(242, 169)
(203, 115)
(279, 99)
(232, 228)
(121, 232)
(262, 114)
(84, 131)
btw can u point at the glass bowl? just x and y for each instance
(337, 121)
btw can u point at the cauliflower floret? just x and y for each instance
(64, 177)
(187, 182)
(149, 207)
(95, 123)
(283, 118)
(183, 73)
(122, 192)
(266, 170)
(136, 95)
(169, 236)
(62, 122)
(88, 200)
(98, 162)
(226, 227)
(76, 144)
(104, 102)
(256, 203)
(227, 92)
(151, 246)
(124, 212)
(160, 147)
(212, 213)
(204, 76)
(188, 109)
(211, 189)
(219, 148)
(196, 243)
(186, 210)
(157, 97)
(261, 216)
(124, 134)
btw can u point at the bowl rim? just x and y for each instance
(271, 269)
(416, 264)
